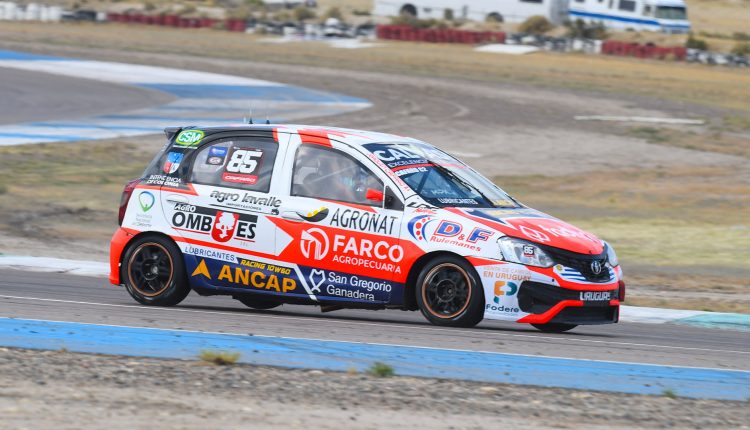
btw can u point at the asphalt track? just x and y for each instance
(39, 96)
(60, 297)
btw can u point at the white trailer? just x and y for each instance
(656, 15)
(669, 16)
(476, 10)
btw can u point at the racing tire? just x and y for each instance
(449, 293)
(154, 272)
(554, 327)
(257, 303)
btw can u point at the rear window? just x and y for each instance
(237, 162)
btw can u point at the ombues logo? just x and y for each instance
(221, 225)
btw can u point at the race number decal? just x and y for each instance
(243, 166)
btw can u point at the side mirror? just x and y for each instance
(374, 195)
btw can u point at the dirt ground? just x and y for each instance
(62, 390)
(674, 201)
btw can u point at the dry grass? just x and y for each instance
(689, 218)
(712, 86)
(722, 16)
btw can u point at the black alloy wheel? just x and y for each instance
(154, 272)
(449, 293)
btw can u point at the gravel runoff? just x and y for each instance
(63, 390)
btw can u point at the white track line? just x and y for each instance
(380, 325)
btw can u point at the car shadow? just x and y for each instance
(486, 326)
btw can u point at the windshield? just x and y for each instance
(438, 178)
(671, 12)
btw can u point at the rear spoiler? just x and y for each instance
(171, 131)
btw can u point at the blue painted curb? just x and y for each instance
(413, 361)
(718, 320)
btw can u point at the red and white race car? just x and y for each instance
(274, 214)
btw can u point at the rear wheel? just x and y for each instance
(257, 303)
(554, 327)
(154, 272)
(449, 293)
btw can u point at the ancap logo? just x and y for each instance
(314, 244)
(596, 267)
(146, 200)
(189, 137)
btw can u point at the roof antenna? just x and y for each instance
(268, 121)
(249, 120)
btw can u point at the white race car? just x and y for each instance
(338, 218)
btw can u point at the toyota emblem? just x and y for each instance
(596, 267)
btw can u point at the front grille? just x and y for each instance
(538, 298)
(581, 263)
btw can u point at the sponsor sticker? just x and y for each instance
(243, 165)
(368, 222)
(316, 215)
(216, 155)
(172, 163)
(595, 296)
(221, 225)
(146, 200)
(189, 138)
(361, 252)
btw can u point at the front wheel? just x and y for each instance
(449, 293)
(154, 272)
(554, 327)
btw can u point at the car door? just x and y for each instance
(336, 227)
(223, 216)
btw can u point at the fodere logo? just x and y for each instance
(224, 225)
(314, 243)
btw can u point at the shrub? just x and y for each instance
(219, 358)
(579, 29)
(381, 370)
(333, 12)
(302, 13)
(536, 24)
(695, 43)
(741, 49)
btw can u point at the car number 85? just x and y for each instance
(244, 161)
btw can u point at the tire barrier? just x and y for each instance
(438, 35)
(648, 50)
(171, 20)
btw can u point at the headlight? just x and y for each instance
(611, 256)
(523, 252)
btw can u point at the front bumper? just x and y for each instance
(559, 294)
(552, 304)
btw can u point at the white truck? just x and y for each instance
(476, 10)
(669, 16)
(656, 15)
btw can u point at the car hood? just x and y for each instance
(538, 227)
